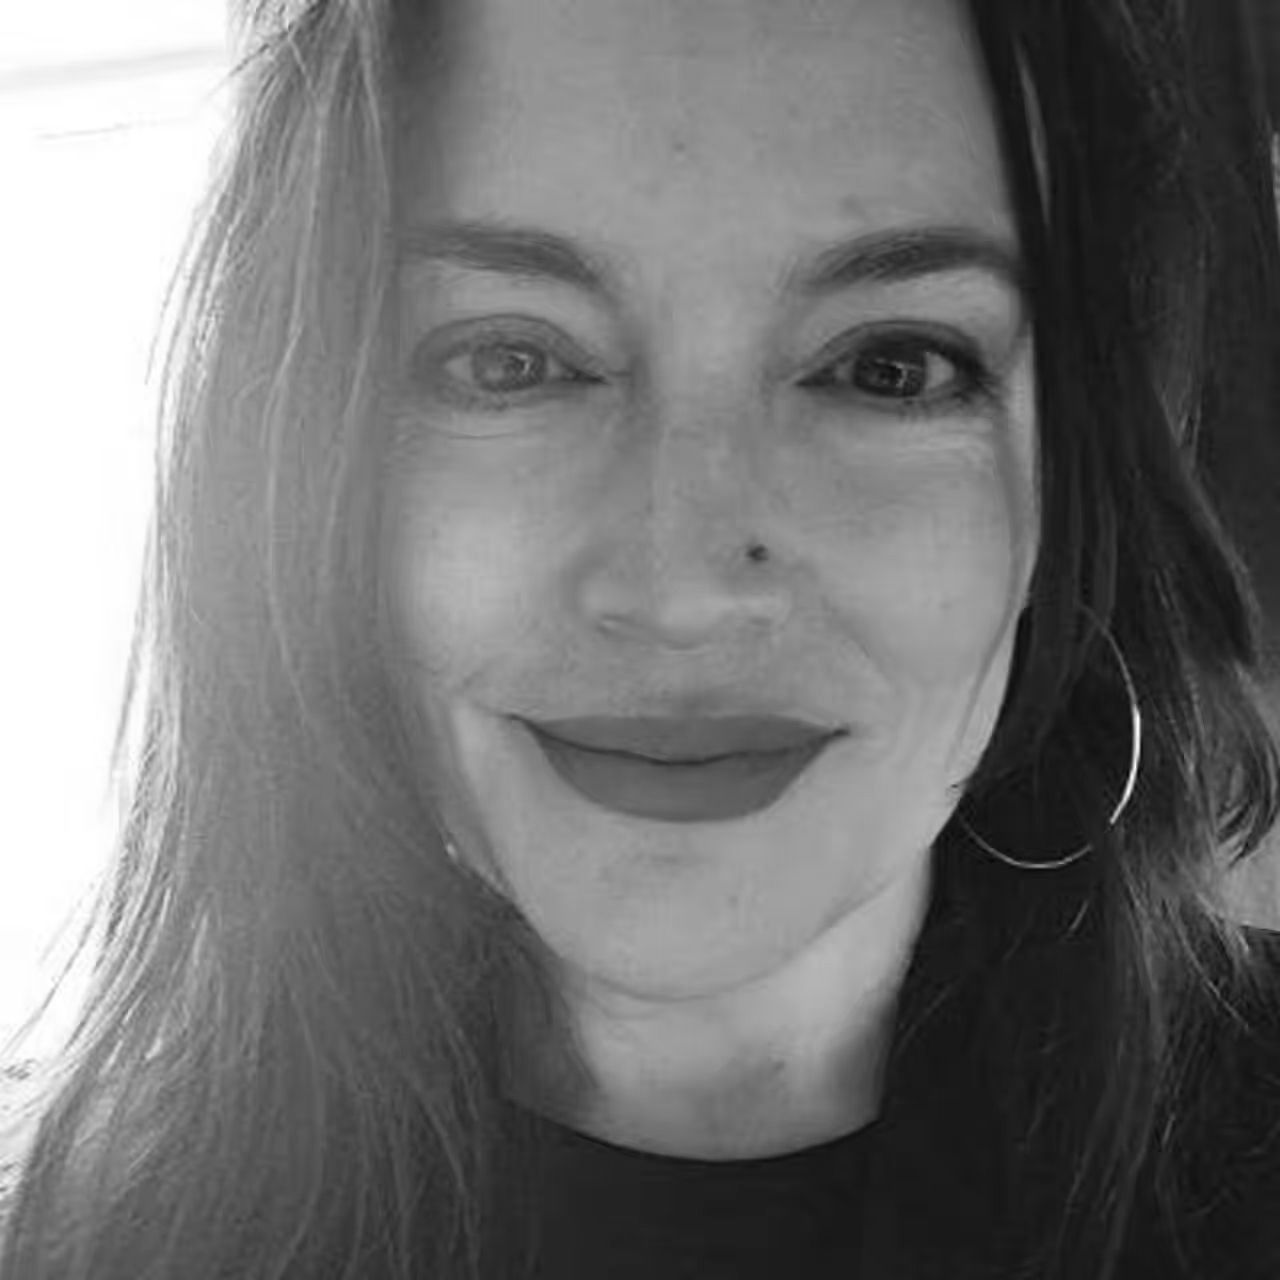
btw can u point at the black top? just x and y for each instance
(933, 1190)
(631, 1215)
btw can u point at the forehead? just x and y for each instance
(721, 125)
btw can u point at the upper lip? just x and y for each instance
(685, 739)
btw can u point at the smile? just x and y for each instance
(729, 786)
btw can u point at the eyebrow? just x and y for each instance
(889, 256)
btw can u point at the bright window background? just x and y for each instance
(109, 116)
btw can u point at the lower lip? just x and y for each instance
(732, 787)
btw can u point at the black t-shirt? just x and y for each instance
(936, 1187)
(609, 1211)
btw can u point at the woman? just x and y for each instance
(694, 716)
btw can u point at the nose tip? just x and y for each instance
(690, 608)
(678, 560)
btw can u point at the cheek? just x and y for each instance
(462, 572)
(924, 563)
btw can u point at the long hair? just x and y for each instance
(288, 1062)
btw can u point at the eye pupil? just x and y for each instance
(896, 375)
(496, 364)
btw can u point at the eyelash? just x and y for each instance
(427, 365)
(975, 381)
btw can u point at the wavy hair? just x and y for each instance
(289, 1060)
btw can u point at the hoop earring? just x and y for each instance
(1135, 758)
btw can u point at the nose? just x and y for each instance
(672, 565)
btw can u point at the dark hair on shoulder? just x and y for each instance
(288, 1063)
(1155, 250)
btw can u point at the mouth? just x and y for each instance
(706, 787)
(686, 739)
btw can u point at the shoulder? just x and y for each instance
(1241, 1084)
(1235, 1162)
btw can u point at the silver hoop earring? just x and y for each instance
(1135, 758)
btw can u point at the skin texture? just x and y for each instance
(575, 548)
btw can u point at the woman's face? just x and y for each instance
(594, 424)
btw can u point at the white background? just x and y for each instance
(109, 115)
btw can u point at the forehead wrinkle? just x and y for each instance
(678, 186)
(709, 30)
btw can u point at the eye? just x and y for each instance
(491, 369)
(909, 372)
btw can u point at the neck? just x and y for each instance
(785, 1061)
